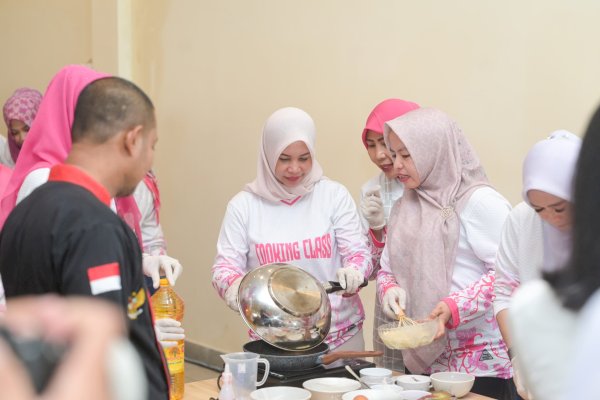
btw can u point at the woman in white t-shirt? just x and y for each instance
(378, 195)
(536, 238)
(438, 259)
(554, 321)
(292, 214)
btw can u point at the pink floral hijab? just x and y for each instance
(424, 226)
(23, 106)
(284, 127)
(49, 140)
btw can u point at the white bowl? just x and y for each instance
(375, 375)
(374, 394)
(414, 382)
(456, 383)
(280, 393)
(330, 388)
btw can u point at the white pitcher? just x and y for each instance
(244, 370)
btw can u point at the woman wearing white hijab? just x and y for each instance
(537, 241)
(537, 235)
(292, 214)
(443, 234)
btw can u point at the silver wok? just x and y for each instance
(286, 306)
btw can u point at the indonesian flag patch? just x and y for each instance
(104, 278)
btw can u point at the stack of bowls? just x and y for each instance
(376, 376)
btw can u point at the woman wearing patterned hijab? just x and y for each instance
(292, 214)
(438, 260)
(19, 112)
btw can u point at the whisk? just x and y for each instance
(403, 320)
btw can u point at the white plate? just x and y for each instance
(331, 385)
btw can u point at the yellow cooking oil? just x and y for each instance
(166, 303)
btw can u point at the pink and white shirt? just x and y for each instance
(319, 232)
(474, 344)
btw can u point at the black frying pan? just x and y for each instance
(285, 360)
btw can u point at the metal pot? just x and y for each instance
(286, 306)
(285, 360)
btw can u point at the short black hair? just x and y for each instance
(576, 283)
(108, 106)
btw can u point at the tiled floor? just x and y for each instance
(195, 372)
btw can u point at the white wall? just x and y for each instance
(509, 72)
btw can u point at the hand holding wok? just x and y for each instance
(350, 279)
(231, 295)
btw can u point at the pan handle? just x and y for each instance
(326, 359)
(332, 286)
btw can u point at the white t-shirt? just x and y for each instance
(543, 337)
(520, 254)
(5, 157)
(582, 370)
(32, 181)
(481, 223)
(319, 232)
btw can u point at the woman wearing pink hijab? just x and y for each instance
(19, 112)
(49, 142)
(378, 195)
(438, 260)
(49, 138)
(292, 214)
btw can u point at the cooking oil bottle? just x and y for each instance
(167, 304)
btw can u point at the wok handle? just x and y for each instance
(332, 286)
(334, 356)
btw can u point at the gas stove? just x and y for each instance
(295, 378)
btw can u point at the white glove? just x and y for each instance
(168, 332)
(393, 302)
(371, 208)
(153, 264)
(350, 279)
(231, 295)
(518, 380)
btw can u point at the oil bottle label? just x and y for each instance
(175, 359)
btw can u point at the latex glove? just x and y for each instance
(518, 380)
(152, 266)
(371, 207)
(168, 332)
(231, 295)
(394, 302)
(350, 279)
